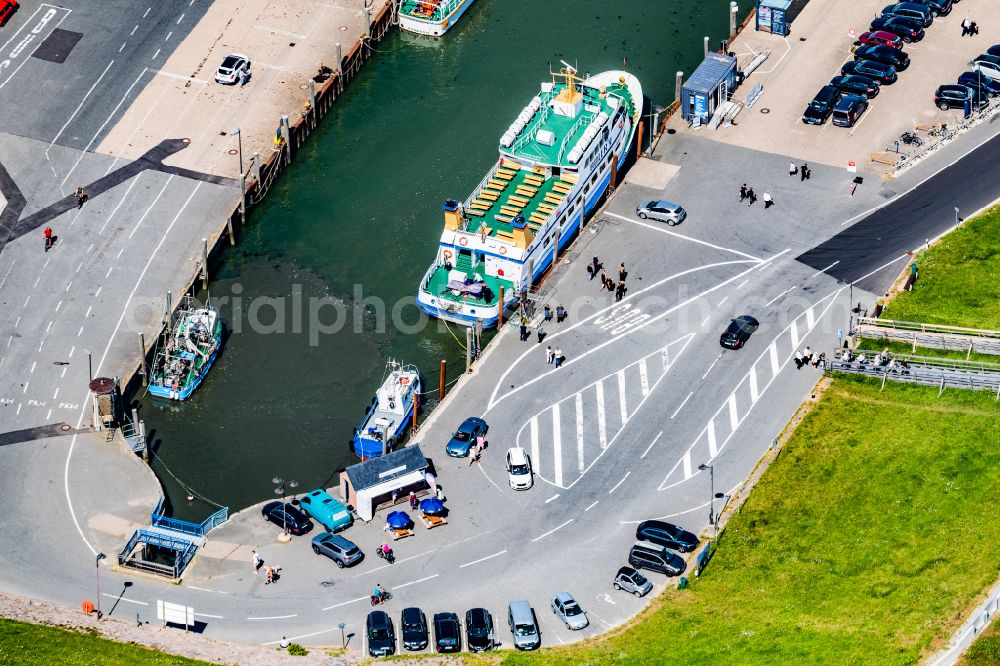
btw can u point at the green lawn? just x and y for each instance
(864, 543)
(959, 281)
(897, 347)
(34, 644)
(986, 650)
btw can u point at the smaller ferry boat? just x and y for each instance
(186, 351)
(389, 413)
(430, 17)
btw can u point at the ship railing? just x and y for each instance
(584, 118)
(528, 136)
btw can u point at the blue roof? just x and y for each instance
(710, 72)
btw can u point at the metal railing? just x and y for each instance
(934, 336)
(928, 371)
(157, 519)
(134, 437)
(183, 548)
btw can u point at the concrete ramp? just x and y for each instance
(652, 174)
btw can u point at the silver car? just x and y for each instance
(566, 608)
(662, 211)
(343, 552)
(630, 580)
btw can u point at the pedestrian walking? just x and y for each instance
(257, 561)
(413, 501)
(610, 284)
(549, 354)
(973, 29)
(799, 359)
(440, 493)
(559, 358)
(480, 443)
(622, 273)
(47, 235)
(541, 333)
(743, 192)
(792, 169)
(751, 197)
(768, 201)
(604, 278)
(560, 314)
(966, 26)
(620, 290)
(547, 313)
(597, 264)
(590, 272)
(804, 172)
(524, 331)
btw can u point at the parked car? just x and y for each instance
(666, 534)
(738, 332)
(883, 54)
(325, 510)
(381, 636)
(988, 64)
(285, 515)
(7, 9)
(519, 473)
(413, 625)
(908, 29)
(342, 551)
(977, 81)
(232, 66)
(954, 96)
(463, 439)
(856, 84)
(662, 211)
(881, 37)
(821, 106)
(656, 558)
(447, 634)
(884, 74)
(569, 612)
(630, 580)
(937, 7)
(523, 625)
(479, 632)
(913, 10)
(994, 50)
(849, 110)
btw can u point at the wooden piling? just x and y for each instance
(500, 310)
(145, 442)
(638, 143)
(416, 411)
(614, 170)
(468, 350)
(441, 379)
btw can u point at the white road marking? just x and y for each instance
(687, 464)
(623, 408)
(557, 443)
(25, 387)
(592, 505)
(274, 617)
(414, 582)
(156, 54)
(579, 431)
(147, 12)
(214, 617)
(775, 366)
(153, 205)
(79, 106)
(705, 321)
(554, 529)
(33, 363)
(26, 302)
(666, 358)
(771, 302)
(810, 318)
(167, 38)
(98, 292)
(68, 285)
(481, 559)
(120, 252)
(793, 333)
(80, 332)
(9, 269)
(534, 439)
(824, 270)
(108, 274)
(72, 349)
(713, 450)
(681, 406)
(602, 431)
(552, 498)
(37, 280)
(655, 439)
(181, 77)
(49, 415)
(754, 393)
(59, 305)
(29, 38)
(740, 285)
(643, 377)
(734, 417)
(620, 482)
(723, 301)
(179, 19)
(681, 236)
(122, 47)
(131, 601)
(134, 29)
(712, 366)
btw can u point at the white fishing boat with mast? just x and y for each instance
(431, 17)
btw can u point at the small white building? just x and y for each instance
(368, 485)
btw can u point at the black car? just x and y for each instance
(413, 625)
(856, 85)
(479, 633)
(885, 74)
(821, 106)
(656, 558)
(738, 332)
(666, 534)
(911, 10)
(286, 515)
(954, 96)
(977, 81)
(381, 636)
(849, 110)
(937, 7)
(884, 54)
(447, 634)
(994, 50)
(909, 30)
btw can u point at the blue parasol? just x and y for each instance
(432, 506)
(398, 520)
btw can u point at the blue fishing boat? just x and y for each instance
(389, 413)
(186, 351)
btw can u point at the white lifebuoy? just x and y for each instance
(446, 254)
(463, 241)
(503, 250)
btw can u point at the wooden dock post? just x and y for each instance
(145, 442)
(500, 310)
(468, 349)
(340, 60)
(614, 171)
(143, 370)
(286, 136)
(312, 101)
(416, 411)
(255, 165)
(638, 143)
(441, 379)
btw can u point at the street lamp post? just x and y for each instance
(280, 490)
(343, 639)
(239, 139)
(243, 181)
(97, 562)
(713, 520)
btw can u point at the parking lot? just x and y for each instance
(813, 53)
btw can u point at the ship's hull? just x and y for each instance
(433, 28)
(369, 447)
(183, 393)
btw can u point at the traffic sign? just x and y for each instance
(852, 33)
(852, 167)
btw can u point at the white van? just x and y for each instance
(519, 469)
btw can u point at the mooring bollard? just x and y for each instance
(143, 370)
(706, 47)
(733, 9)
(441, 379)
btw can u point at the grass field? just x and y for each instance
(865, 542)
(986, 650)
(897, 347)
(33, 644)
(959, 282)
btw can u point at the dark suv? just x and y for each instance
(937, 7)
(849, 110)
(447, 634)
(479, 633)
(856, 84)
(954, 96)
(976, 81)
(908, 29)
(884, 54)
(667, 535)
(821, 106)
(413, 625)
(655, 558)
(381, 636)
(286, 515)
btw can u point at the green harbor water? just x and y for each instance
(356, 220)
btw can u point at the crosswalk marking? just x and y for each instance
(734, 418)
(810, 318)
(579, 430)
(534, 439)
(793, 332)
(754, 393)
(602, 430)
(643, 377)
(557, 443)
(775, 365)
(687, 465)
(712, 448)
(621, 396)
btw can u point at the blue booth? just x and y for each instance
(708, 87)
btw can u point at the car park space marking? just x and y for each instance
(592, 505)
(682, 236)
(810, 318)
(481, 559)
(214, 617)
(344, 603)
(723, 301)
(274, 617)
(712, 365)
(773, 300)
(552, 498)
(180, 77)
(78, 107)
(627, 473)
(741, 284)
(687, 464)
(734, 417)
(419, 580)
(793, 332)
(26, 47)
(554, 529)
(543, 618)
(131, 601)
(594, 437)
(651, 444)
(823, 270)
(151, 206)
(773, 351)
(754, 392)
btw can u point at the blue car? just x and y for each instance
(983, 84)
(464, 438)
(325, 510)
